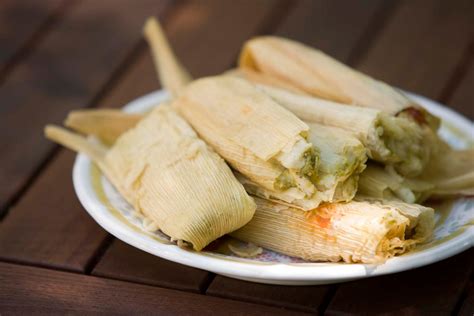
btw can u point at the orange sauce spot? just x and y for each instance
(320, 216)
(246, 109)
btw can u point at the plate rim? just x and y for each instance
(275, 273)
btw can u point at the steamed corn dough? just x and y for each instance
(170, 175)
(367, 231)
(389, 140)
(255, 135)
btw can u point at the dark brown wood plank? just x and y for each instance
(303, 298)
(421, 45)
(26, 290)
(204, 35)
(430, 290)
(335, 27)
(218, 30)
(463, 97)
(67, 70)
(124, 262)
(20, 21)
(48, 226)
(467, 305)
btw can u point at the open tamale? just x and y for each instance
(166, 172)
(389, 140)
(366, 231)
(318, 74)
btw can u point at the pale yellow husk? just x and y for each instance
(389, 140)
(318, 74)
(172, 177)
(254, 134)
(379, 182)
(106, 124)
(367, 231)
(451, 172)
(173, 76)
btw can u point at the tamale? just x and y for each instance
(365, 231)
(451, 172)
(318, 74)
(171, 176)
(255, 135)
(389, 140)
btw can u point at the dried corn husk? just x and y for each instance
(389, 140)
(451, 172)
(367, 231)
(167, 173)
(173, 76)
(379, 182)
(258, 137)
(107, 124)
(318, 74)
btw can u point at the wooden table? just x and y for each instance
(58, 55)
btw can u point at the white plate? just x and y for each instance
(454, 235)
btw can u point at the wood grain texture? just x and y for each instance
(207, 35)
(420, 46)
(20, 21)
(67, 70)
(124, 262)
(204, 48)
(467, 305)
(49, 227)
(26, 290)
(303, 298)
(335, 27)
(463, 98)
(434, 289)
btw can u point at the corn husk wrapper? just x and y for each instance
(318, 74)
(170, 175)
(106, 124)
(389, 140)
(451, 172)
(173, 76)
(255, 135)
(359, 231)
(379, 182)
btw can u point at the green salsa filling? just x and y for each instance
(284, 181)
